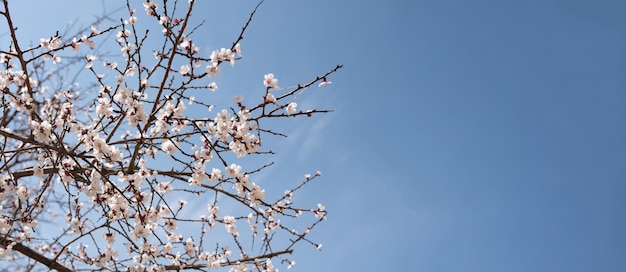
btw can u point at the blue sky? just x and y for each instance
(466, 135)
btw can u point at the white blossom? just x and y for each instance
(270, 81)
(324, 83)
(213, 70)
(190, 247)
(184, 70)
(291, 108)
(213, 86)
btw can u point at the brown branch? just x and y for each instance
(246, 25)
(301, 87)
(168, 69)
(50, 263)
(20, 57)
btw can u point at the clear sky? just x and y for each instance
(466, 135)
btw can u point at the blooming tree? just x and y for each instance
(97, 175)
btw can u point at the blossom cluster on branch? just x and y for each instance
(98, 177)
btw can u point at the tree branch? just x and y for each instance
(50, 263)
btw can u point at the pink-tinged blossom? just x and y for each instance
(227, 252)
(214, 210)
(229, 224)
(177, 110)
(171, 224)
(288, 193)
(115, 154)
(109, 254)
(269, 267)
(130, 71)
(126, 48)
(168, 248)
(199, 175)
(184, 70)
(164, 187)
(87, 41)
(270, 81)
(150, 7)
(190, 247)
(216, 174)
(169, 147)
(213, 86)
(269, 98)
(237, 49)
(321, 211)
(75, 44)
(242, 184)
(140, 230)
(135, 113)
(109, 237)
(7, 184)
(215, 56)
(22, 192)
(233, 170)
(213, 70)
(163, 20)
(256, 195)
(131, 20)
(160, 125)
(179, 126)
(185, 44)
(272, 226)
(119, 79)
(90, 59)
(4, 251)
(103, 107)
(189, 46)
(100, 147)
(42, 131)
(222, 55)
(5, 58)
(51, 43)
(291, 108)
(75, 224)
(122, 35)
(38, 170)
(324, 83)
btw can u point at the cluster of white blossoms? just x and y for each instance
(120, 157)
(224, 54)
(134, 107)
(243, 186)
(101, 149)
(236, 132)
(41, 130)
(22, 100)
